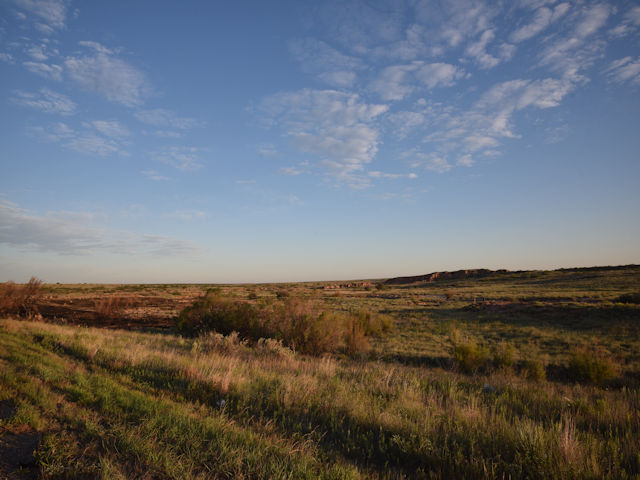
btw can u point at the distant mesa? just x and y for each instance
(444, 276)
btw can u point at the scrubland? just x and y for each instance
(518, 375)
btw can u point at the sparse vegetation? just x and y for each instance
(513, 377)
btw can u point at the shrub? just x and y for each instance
(294, 322)
(629, 298)
(534, 369)
(503, 355)
(20, 300)
(592, 365)
(468, 355)
(110, 308)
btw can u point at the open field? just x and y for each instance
(496, 375)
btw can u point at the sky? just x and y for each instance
(200, 141)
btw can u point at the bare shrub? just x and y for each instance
(111, 308)
(20, 300)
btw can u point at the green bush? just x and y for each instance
(534, 369)
(592, 365)
(503, 355)
(468, 355)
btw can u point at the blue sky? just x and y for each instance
(273, 141)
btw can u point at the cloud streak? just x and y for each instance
(99, 70)
(74, 233)
(46, 101)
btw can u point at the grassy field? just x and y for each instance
(511, 375)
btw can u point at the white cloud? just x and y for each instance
(187, 215)
(267, 150)
(392, 176)
(37, 53)
(54, 133)
(154, 175)
(6, 57)
(161, 118)
(404, 122)
(624, 70)
(399, 81)
(111, 128)
(478, 51)
(434, 162)
(330, 65)
(290, 171)
(338, 127)
(52, 12)
(92, 144)
(438, 74)
(76, 233)
(86, 142)
(393, 82)
(465, 161)
(481, 128)
(46, 101)
(103, 73)
(543, 17)
(575, 50)
(629, 24)
(182, 158)
(52, 71)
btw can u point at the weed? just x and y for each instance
(592, 365)
(19, 300)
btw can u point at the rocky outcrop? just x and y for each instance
(444, 276)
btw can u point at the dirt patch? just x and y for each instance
(7, 409)
(17, 454)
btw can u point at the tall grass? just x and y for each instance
(384, 420)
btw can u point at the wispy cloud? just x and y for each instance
(392, 176)
(46, 101)
(111, 128)
(182, 158)
(52, 12)
(187, 215)
(629, 23)
(337, 127)
(77, 233)
(6, 57)
(54, 72)
(624, 70)
(92, 144)
(154, 175)
(330, 65)
(161, 118)
(100, 71)
(85, 141)
(542, 18)
(575, 50)
(399, 81)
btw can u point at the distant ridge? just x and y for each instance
(439, 276)
(484, 272)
